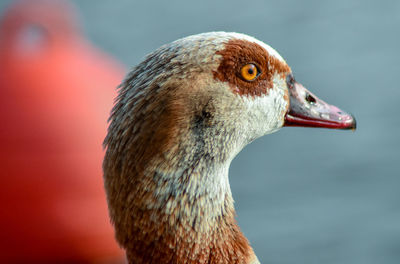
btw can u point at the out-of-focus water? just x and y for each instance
(302, 195)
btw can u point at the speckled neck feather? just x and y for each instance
(175, 128)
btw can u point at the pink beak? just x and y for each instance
(307, 110)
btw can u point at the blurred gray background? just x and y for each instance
(302, 195)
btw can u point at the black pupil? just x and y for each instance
(251, 71)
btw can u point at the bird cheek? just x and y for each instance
(236, 90)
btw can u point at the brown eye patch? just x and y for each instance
(237, 54)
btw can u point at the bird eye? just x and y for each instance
(249, 72)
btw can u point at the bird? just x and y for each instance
(180, 117)
(55, 89)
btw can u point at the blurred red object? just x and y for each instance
(56, 91)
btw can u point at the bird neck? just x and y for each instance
(186, 215)
(168, 190)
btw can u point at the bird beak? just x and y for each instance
(307, 110)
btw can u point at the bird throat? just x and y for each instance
(185, 216)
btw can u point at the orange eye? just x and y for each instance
(249, 72)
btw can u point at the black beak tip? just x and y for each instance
(352, 125)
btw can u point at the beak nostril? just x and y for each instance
(310, 99)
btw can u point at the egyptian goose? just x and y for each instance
(180, 118)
